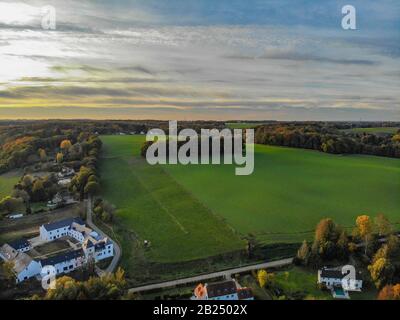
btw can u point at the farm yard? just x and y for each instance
(191, 212)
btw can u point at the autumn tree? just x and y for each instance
(59, 157)
(382, 224)
(364, 229)
(381, 271)
(42, 154)
(10, 204)
(390, 292)
(38, 191)
(264, 278)
(303, 254)
(65, 145)
(111, 286)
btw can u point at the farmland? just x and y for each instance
(158, 209)
(188, 212)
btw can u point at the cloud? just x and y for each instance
(204, 58)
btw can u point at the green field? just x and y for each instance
(156, 208)
(7, 182)
(175, 206)
(389, 130)
(292, 189)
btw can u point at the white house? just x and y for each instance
(21, 245)
(92, 243)
(24, 266)
(334, 279)
(65, 262)
(93, 246)
(224, 290)
(62, 228)
(98, 250)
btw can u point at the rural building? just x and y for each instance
(65, 262)
(21, 245)
(333, 279)
(55, 230)
(93, 246)
(224, 290)
(24, 266)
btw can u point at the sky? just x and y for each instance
(200, 59)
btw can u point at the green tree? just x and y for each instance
(92, 188)
(10, 205)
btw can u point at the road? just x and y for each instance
(117, 250)
(226, 273)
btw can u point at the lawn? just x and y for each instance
(390, 130)
(155, 208)
(7, 182)
(299, 281)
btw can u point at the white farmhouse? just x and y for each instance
(24, 266)
(65, 262)
(224, 290)
(62, 228)
(93, 246)
(334, 279)
(21, 245)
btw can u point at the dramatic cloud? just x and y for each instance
(200, 59)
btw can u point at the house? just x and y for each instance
(61, 198)
(65, 262)
(93, 244)
(335, 280)
(64, 182)
(21, 245)
(98, 249)
(55, 230)
(223, 290)
(65, 173)
(24, 267)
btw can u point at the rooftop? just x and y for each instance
(65, 256)
(222, 288)
(62, 223)
(19, 244)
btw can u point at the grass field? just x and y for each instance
(157, 209)
(292, 189)
(373, 130)
(7, 182)
(174, 206)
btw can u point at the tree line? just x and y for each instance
(329, 139)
